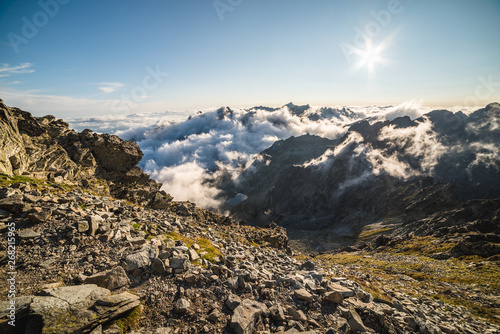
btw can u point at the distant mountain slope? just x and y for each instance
(399, 169)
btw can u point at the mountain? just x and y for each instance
(397, 173)
(90, 245)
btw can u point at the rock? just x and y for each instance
(233, 301)
(76, 308)
(158, 266)
(4, 214)
(346, 293)
(193, 256)
(94, 223)
(303, 294)
(27, 234)
(296, 314)
(39, 217)
(13, 204)
(137, 260)
(277, 313)
(355, 322)
(182, 306)
(245, 316)
(163, 330)
(110, 279)
(334, 296)
(343, 326)
(180, 262)
(83, 226)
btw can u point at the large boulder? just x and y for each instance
(73, 309)
(246, 315)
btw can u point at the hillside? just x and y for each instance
(100, 249)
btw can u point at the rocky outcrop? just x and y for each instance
(46, 148)
(71, 309)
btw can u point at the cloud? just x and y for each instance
(412, 109)
(110, 87)
(7, 70)
(189, 155)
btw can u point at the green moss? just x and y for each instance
(131, 320)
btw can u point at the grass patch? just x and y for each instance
(205, 245)
(369, 232)
(131, 320)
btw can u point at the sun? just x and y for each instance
(370, 57)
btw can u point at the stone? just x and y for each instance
(78, 308)
(83, 226)
(296, 314)
(193, 256)
(4, 214)
(182, 306)
(137, 260)
(277, 313)
(346, 292)
(27, 234)
(303, 294)
(158, 266)
(94, 222)
(355, 322)
(245, 316)
(180, 262)
(333, 296)
(13, 204)
(110, 279)
(233, 301)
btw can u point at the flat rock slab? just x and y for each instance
(76, 309)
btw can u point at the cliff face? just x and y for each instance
(46, 148)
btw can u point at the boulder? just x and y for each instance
(110, 279)
(246, 315)
(76, 309)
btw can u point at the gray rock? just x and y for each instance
(296, 314)
(246, 315)
(193, 256)
(27, 234)
(76, 309)
(94, 222)
(158, 266)
(83, 226)
(180, 262)
(303, 294)
(182, 306)
(110, 279)
(233, 301)
(137, 260)
(355, 321)
(277, 313)
(4, 213)
(334, 296)
(346, 293)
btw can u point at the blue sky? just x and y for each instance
(121, 56)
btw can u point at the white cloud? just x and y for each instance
(7, 70)
(110, 87)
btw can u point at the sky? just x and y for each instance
(75, 58)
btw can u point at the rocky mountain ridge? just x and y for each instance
(46, 148)
(396, 175)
